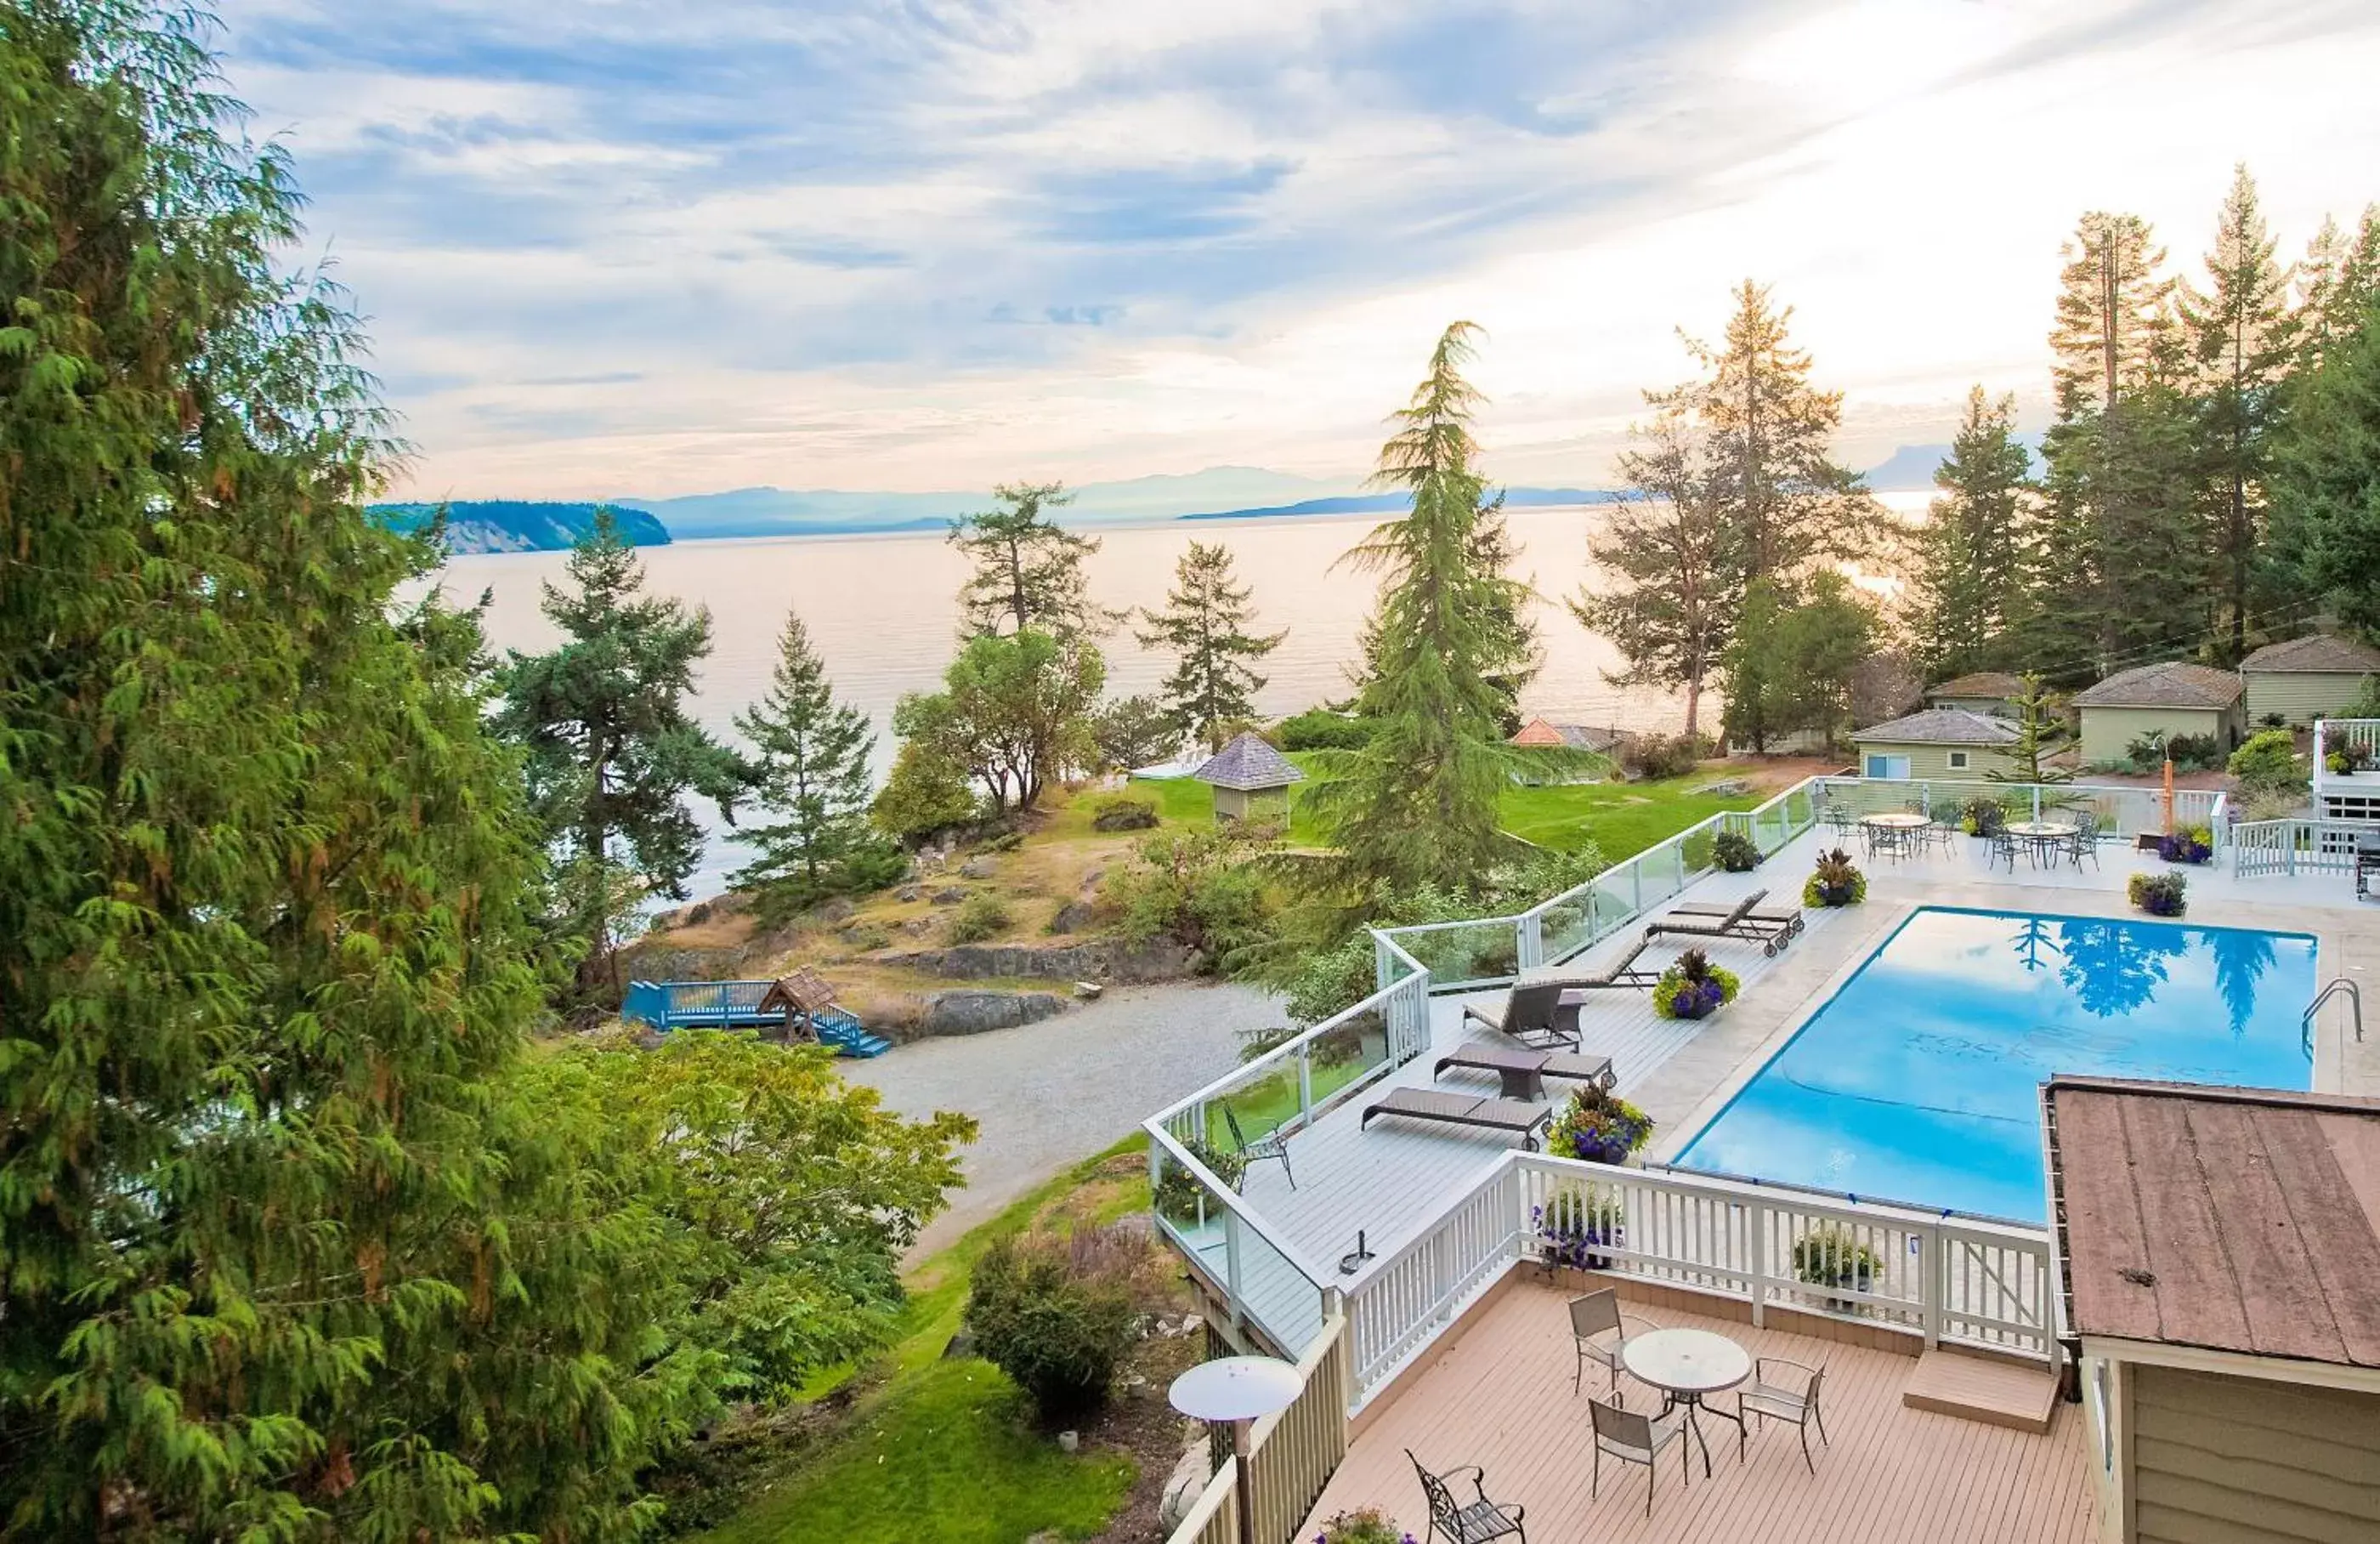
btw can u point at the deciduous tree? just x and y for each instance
(1205, 627)
(1015, 710)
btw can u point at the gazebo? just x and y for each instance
(1251, 781)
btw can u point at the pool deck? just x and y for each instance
(1388, 1182)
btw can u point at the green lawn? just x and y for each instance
(944, 1451)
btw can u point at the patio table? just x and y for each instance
(1886, 832)
(2042, 835)
(1686, 1365)
(1520, 1070)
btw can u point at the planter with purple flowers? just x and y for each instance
(1693, 988)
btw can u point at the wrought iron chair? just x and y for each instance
(2084, 843)
(1272, 1144)
(1591, 1318)
(1634, 1439)
(1476, 1523)
(1792, 1398)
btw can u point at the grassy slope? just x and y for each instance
(942, 1450)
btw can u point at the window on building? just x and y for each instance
(1958, 760)
(1888, 766)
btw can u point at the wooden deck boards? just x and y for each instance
(1500, 1396)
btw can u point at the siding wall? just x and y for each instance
(2223, 1460)
(1999, 705)
(2300, 697)
(1933, 761)
(2106, 730)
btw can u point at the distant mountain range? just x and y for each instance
(1216, 493)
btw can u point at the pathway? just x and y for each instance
(1053, 1093)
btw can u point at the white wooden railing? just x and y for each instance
(2261, 848)
(1291, 1455)
(2359, 736)
(1935, 1276)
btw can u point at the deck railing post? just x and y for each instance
(1529, 946)
(2036, 801)
(1231, 1267)
(1935, 1265)
(1304, 1085)
(1756, 1215)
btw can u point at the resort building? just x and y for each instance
(1251, 781)
(2171, 700)
(2306, 678)
(1519, 1217)
(2219, 1266)
(1940, 742)
(1986, 691)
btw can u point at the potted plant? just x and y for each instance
(2159, 894)
(1598, 1127)
(1735, 852)
(1836, 881)
(1693, 988)
(1179, 1194)
(1364, 1524)
(2189, 845)
(1982, 817)
(1828, 1256)
(1575, 1221)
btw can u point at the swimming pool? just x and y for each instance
(1919, 1080)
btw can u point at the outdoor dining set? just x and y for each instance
(1688, 1368)
(2047, 841)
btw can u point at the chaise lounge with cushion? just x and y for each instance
(1471, 1110)
(1743, 920)
(1788, 921)
(1538, 1011)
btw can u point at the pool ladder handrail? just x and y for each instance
(2354, 1004)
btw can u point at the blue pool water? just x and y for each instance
(1919, 1080)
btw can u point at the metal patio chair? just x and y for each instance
(1272, 1144)
(1592, 1318)
(1476, 1523)
(1634, 1439)
(1789, 1394)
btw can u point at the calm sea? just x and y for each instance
(882, 611)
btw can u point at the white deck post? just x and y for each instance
(1231, 1267)
(1306, 1086)
(1935, 1265)
(1529, 948)
(1758, 1214)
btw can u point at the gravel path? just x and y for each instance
(1052, 1093)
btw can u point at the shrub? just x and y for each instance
(1056, 1310)
(1366, 1525)
(1196, 887)
(1827, 1256)
(1982, 817)
(865, 936)
(1735, 852)
(1836, 881)
(1123, 812)
(926, 794)
(2194, 752)
(1320, 729)
(978, 917)
(1577, 1224)
(2159, 894)
(1006, 842)
(1653, 756)
(1599, 1127)
(2269, 763)
(1180, 1193)
(2189, 845)
(1696, 849)
(1693, 988)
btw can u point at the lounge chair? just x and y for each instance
(1788, 921)
(1738, 923)
(1534, 1013)
(1471, 1110)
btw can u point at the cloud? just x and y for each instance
(886, 243)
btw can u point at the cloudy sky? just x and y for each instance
(615, 248)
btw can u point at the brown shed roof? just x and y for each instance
(1941, 726)
(2241, 1220)
(2317, 653)
(2171, 685)
(1982, 683)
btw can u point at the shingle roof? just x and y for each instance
(1248, 763)
(1542, 734)
(2243, 1220)
(2171, 685)
(2316, 652)
(1943, 727)
(1982, 683)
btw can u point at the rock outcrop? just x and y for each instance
(1107, 961)
(972, 1013)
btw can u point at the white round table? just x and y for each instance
(1686, 1365)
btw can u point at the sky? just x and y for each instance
(627, 249)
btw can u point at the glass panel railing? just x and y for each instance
(1464, 953)
(1256, 1279)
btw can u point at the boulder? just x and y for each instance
(976, 869)
(1072, 917)
(1088, 991)
(972, 1013)
(1191, 1473)
(907, 893)
(949, 897)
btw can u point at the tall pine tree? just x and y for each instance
(1028, 569)
(611, 752)
(2337, 283)
(2326, 480)
(1417, 804)
(1975, 550)
(280, 1257)
(1205, 627)
(2242, 340)
(810, 760)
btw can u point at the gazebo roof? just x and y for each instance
(1248, 764)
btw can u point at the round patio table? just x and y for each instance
(1887, 831)
(1685, 1365)
(2043, 831)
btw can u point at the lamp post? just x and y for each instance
(1239, 1390)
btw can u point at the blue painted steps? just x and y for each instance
(666, 1005)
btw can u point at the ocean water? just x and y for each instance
(1919, 1080)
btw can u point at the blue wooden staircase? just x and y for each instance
(666, 1005)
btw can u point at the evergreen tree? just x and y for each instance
(1205, 626)
(1028, 570)
(1791, 664)
(1417, 804)
(1789, 507)
(281, 1256)
(1669, 600)
(2124, 571)
(2040, 733)
(1976, 551)
(1514, 643)
(611, 752)
(2327, 480)
(811, 757)
(2337, 283)
(2243, 339)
